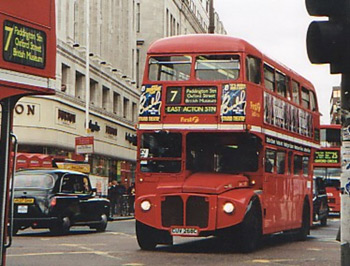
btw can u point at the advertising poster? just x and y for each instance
(150, 103)
(233, 105)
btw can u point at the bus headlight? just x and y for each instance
(145, 205)
(229, 207)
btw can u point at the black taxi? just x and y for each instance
(320, 202)
(57, 199)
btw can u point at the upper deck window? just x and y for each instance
(269, 78)
(281, 84)
(305, 98)
(217, 67)
(171, 68)
(253, 69)
(295, 92)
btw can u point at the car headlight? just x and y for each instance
(145, 205)
(228, 207)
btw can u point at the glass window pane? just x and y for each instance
(270, 157)
(306, 166)
(297, 165)
(253, 69)
(217, 67)
(295, 92)
(305, 98)
(162, 144)
(281, 84)
(281, 162)
(269, 78)
(169, 68)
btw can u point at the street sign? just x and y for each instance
(84, 145)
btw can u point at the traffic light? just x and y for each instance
(328, 41)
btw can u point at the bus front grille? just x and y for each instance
(172, 211)
(197, 211)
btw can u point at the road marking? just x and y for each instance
(267, 261)
(54, 253)
(133, 264)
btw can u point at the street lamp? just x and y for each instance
(87, 67)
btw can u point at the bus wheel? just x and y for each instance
(146, 236)
(250, 230)
(305, 225)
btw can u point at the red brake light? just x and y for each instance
(53, 202)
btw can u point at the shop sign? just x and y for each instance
(84, 145)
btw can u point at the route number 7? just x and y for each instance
(9, 37)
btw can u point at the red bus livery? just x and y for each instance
(27, 67)
(225, 139)
(327, 164)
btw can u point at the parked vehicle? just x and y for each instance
(57, 199)
(320, 202)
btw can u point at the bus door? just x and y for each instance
(270, 191)
(298, 187)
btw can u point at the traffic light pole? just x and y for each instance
(345, 176)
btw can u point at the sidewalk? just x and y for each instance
(121, 218)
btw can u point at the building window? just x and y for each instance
(116, 102)
(65, 77)
(126, 108)
(138, 17)
(134, 112)
(105, 98)
(79, 85)
(93, 92)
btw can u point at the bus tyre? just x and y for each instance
(305, 224)
(146, 236)
(250, 230)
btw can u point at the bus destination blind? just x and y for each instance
(23, 45)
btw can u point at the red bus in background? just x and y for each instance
(327, 164)
(225, 140)
(27, 67)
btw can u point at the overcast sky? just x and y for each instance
(278, 28)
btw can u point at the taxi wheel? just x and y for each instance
(101, 227)
(62, 228)
(146, 236)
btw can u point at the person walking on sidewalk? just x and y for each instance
(131, 193)
(112, 196)
(120, 191)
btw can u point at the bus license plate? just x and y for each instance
(184, 231)
(22, 209)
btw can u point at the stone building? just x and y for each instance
(119, 34)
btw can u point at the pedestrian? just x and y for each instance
(120, 191)
(112, 196)
(131, 193)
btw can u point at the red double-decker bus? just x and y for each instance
(27, 67)
(327, 164)
(225, 140)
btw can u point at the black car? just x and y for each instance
(57, 199)
(320, 202)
